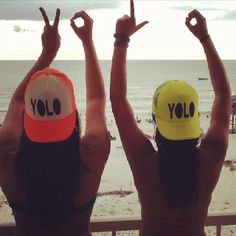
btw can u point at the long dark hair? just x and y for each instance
(177, 166)
(51, 174)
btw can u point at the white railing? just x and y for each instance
(133, 223)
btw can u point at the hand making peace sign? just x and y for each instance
(50, 38)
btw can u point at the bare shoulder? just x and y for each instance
(147, 179)
(9, 140)
(210, 165)
(141, 155)
(215, 143)
(95, 149)
(11, 129)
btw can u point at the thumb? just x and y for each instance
(73, 25)
(139, 26)
(187, 23)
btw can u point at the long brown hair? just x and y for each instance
(177, 166)
(51, 176)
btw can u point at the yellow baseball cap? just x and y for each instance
(50, 109)
(175, 108)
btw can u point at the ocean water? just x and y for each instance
(143, 78)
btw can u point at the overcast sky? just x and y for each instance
(165, 37)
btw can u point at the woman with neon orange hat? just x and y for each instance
(174, 183)
(49, 174)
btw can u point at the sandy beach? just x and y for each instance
(117, 194)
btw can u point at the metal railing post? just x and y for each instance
(218, 230)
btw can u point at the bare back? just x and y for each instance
(77, 224)
(94, 145)
(158, 218)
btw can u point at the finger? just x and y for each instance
(187, 22)
(85, 14)
(73, 25)
(79, 14)
(57, 18)
(132, 9)
(45, 17)
(192, 13)
(125, 17)
(195, 14)
(139, 26)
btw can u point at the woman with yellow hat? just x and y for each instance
(174, 183)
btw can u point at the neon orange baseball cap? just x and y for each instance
(50, 109)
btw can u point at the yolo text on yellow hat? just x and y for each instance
(50, 110)
(175, 108)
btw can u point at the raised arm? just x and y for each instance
(13, 122)
(216, 138)
(134, 141)
(95, 92)
(96, 139)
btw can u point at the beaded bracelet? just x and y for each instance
(121, 37)
(121, 40)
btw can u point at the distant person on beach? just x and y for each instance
(49, 174)
(174, 183)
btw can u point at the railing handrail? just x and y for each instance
(221, 218)
(119, 223)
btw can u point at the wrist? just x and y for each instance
(88, 43)
(204, 38)
(119, 43)
(121, 40)
(49, 52)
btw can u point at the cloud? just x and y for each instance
(18, 29)
(28, 10)
(187, 7)
(221, 12)
(230, 15)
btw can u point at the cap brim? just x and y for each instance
(180, 131)
(49, 131)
